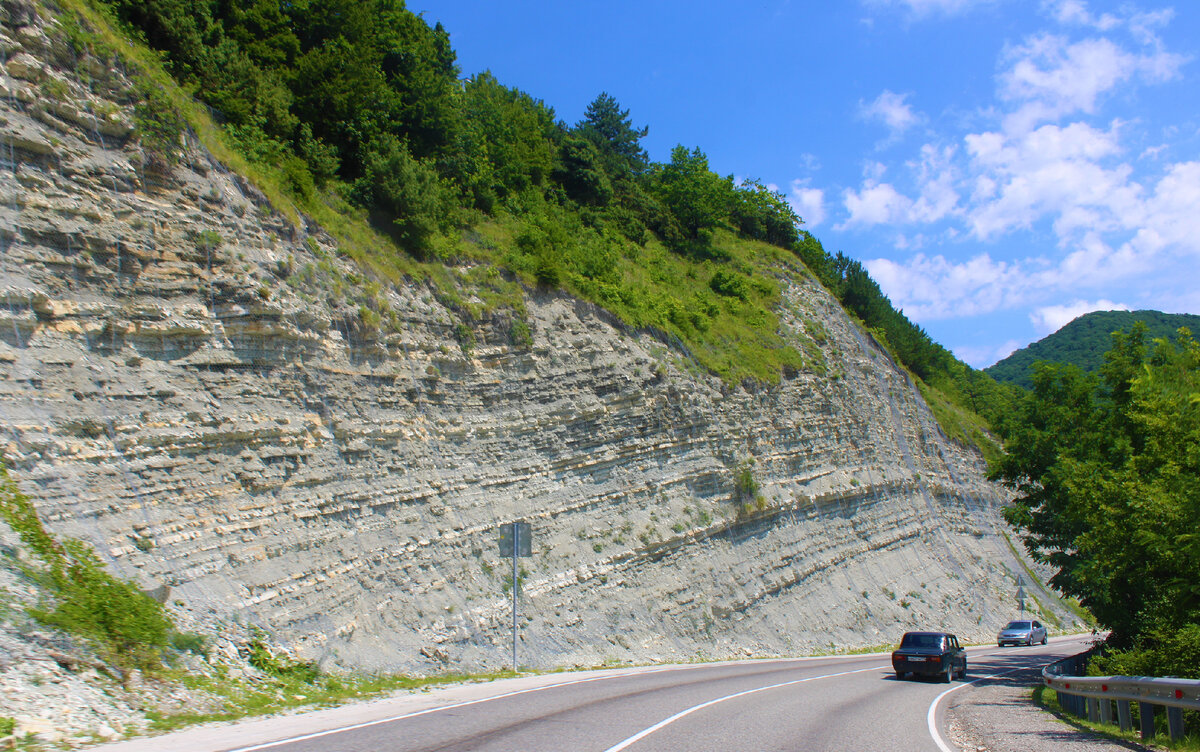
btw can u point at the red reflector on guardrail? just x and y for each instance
(1103, 687)
(1067, 685)
(1179, 694)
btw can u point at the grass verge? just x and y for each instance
(243, 698)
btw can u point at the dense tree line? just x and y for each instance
(364, 99)
(1083, 342)
(1105, 467)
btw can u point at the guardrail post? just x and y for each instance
(1175, 723)
(1105, 710)
(1124, 717)
(1146, 711)
(1093, 710)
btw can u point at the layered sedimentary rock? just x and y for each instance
(188, 381)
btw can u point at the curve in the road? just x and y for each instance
(667, 721)
(931, 716)
(416, 713)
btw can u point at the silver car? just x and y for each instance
(1022, 633)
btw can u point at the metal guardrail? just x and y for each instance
(1092, 697)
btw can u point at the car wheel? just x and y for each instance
(949, 676)
(963, 673)
(899, 674)
(1044, 639)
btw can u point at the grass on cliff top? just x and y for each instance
(719, 299)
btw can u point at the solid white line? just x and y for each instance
(666, 721)
(931, 716)
(367, 724)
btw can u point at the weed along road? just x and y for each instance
(833, 703)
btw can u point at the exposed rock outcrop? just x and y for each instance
(188, 383)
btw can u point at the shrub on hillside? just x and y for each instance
(127, 627)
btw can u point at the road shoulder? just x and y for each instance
(997, 715)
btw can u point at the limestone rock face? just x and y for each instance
(188, 384)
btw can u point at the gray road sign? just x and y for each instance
(524, 542)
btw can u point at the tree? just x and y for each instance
(582, 174)
(509, 142)
(610, 128)
(764, 214)
(409, 190)
(697, 197)
(1105, 471)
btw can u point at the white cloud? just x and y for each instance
(1075, 12)
(876, 204)
(1051, 171)
(982, 356)
(1056, 162)
(937, 178)
(808, 202)
(934, 287)
(1050, 319)
(890, 109)
(1050, 77)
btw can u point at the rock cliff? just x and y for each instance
(188, 384)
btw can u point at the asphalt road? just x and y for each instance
(834, 703)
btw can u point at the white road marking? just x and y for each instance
(667, 721)
(367, 724)
(931, 716)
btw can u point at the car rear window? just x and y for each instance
(1018, 625)
(921, 641)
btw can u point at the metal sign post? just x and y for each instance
(1021, 595)
(515, 541)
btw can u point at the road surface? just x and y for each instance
(831, 703)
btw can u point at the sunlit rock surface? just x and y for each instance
(186, 382)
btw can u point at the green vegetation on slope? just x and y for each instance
(127, 628)
(1083, 342)
(1105, 469)
(355, 112)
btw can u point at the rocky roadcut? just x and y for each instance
(188, 386)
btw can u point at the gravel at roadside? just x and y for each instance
(997, 715)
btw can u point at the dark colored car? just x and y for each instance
(1021, 633)
(930, 654)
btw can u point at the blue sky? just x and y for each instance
(1000, 166)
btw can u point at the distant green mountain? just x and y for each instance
(1084, 341)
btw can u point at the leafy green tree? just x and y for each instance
(582, 174)
(698, 198)
(1105, 470)
(410, 191)
(508, 145)
(262, 29)
(764, 214)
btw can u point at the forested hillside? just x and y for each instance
(1083, 342)
(1105, 468)
(359, 115)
